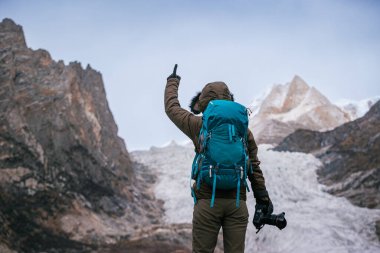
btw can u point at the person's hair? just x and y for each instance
(193, 101)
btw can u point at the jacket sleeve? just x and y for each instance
(255, 175)
(186, 121)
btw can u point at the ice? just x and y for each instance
(317, 221)
(172, 165)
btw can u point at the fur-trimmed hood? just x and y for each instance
(212, 91)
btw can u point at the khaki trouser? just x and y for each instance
(207, 222)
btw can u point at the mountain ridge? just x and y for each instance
(284, 108)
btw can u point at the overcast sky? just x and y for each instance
(333, 45)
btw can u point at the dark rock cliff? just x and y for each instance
(67, 183)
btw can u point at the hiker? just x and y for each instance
(215, 208)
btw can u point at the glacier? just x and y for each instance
(317, 221)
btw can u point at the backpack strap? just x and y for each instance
(213, 190)
(238, 191)
(247, 165)
(199, 168)
(231, 132)
(193, 175)
(245, 172)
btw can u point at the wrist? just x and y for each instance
(178, 78)
(261, 194)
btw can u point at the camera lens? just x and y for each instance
(280, 221)
(275, 220)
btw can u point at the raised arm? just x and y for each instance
(183, 119)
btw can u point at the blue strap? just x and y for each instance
(245, 172)
(245, 166)
(230, 131)
(233, 130)
(193, 171)
(194, 165)
(199, 176)
(238, 193)
(213, 191)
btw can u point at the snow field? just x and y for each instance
(317, 221)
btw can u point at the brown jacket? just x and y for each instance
(191, 125)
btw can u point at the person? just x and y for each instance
(207, 220)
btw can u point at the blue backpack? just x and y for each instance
(223, 159)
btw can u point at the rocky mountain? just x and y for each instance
(292, 106)
(67, 183)
(350, 155)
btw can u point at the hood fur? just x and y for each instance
(212, 91)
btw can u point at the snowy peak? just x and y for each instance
(290, 106)
(275, 99)
(297, 81)
(297, 91)
(287, 97)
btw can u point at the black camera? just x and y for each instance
(260, 219)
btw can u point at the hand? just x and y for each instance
(263, 215)
(265, 205)
(257, 218)
(174, 74)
